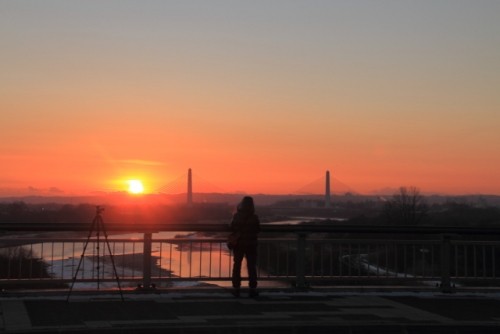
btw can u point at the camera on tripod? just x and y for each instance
(96, 228)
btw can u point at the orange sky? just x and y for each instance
(254, 97)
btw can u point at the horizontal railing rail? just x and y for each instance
(306, 227)
(298, 255)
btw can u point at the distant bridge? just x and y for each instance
(317, 187)
(201, 185)
(180, 185)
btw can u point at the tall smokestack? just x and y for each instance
(190, 189)
(327, 190)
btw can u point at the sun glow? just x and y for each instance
(135, 186)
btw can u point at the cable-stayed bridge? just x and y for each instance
(317, 187)
(180, 185)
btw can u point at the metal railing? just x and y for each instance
(299, 255)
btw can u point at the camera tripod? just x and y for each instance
(97, 227)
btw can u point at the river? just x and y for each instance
(204, 260)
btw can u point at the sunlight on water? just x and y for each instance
(176, 258)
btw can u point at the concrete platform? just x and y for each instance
(217, 311)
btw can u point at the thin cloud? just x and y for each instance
(44, 191)
(33, 189)
(55, 190)
(141, 162)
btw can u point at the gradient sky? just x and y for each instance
(254, 96)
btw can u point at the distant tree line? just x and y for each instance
(21, 212)
(405, 207)
(21, 263)
(410, 207)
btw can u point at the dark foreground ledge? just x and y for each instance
(271, 312)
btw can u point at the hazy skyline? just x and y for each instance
(255, 96)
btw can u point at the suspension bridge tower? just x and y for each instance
(190, 188)
(328, 203)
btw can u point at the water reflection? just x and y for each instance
(174, 255)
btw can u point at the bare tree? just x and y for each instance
(406, 207)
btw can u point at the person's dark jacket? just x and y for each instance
(248, 224)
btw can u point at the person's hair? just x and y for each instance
(246, 205)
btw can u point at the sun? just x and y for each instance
(135, 186)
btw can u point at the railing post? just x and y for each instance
(301, 261)
(146, 265)
(446, 264)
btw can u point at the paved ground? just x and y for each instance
(272, 312)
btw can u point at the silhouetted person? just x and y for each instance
(247, 223)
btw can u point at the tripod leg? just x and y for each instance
(81, 258)
(97, 258)
(111, 256)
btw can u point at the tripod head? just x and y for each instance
(98, 210)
